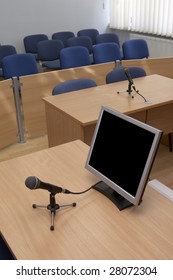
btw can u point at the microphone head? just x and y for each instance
(32, 182)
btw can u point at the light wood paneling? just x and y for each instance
(35, 87)
(82, 108)
(8, 123)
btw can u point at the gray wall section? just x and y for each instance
(19, 18)
(23, 17)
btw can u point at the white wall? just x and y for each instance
(19, 18)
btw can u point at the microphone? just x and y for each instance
(34, 183)
(131, 84)
(129, 78)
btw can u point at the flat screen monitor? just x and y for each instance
(121, 155)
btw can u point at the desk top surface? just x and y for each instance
(84, 105)
(94, 229)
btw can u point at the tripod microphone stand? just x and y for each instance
(129, 90)
(131, 86)
(33, 183)
(53, 207)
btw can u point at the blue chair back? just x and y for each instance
(118, 74)
(135, 49)
(17, 65)
(6, 50)
(73, 85)
(49, 49)
(48, 53)
(63, 36)
(106, 52)
(31, 41)
(107, 37)
(84, 41)
(90, 32)
(76, 56)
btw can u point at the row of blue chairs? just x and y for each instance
(113, 76)
(131, 49)
(30, 41)
(101, 48)
(79, 52)
(49, 50)
(53, 55)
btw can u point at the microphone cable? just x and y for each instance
(137, 91)
(70, 192)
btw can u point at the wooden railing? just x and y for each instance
(8, 123)
(35, 87)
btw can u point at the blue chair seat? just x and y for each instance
(54, 65)
(49, 53)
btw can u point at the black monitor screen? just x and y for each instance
(122, 153)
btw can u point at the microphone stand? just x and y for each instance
(132, 88)
(129, 90)
(53, 206)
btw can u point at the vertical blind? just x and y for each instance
(146, 16)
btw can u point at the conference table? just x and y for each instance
(95, 229)
(73, 115)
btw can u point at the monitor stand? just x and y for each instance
(116, 198)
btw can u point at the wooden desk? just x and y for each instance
(73, 115)
(94, 229)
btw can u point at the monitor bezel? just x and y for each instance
(135, 200)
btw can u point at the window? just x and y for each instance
(146, 16)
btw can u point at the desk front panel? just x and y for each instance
(161, 118)
(62, 129)
(74, 115)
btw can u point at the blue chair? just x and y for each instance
(90, 32)
(48, 53)
(73, 85)
(107, 37)
(31, 41)
(106, 52)
(5, 50)
(17, 65)
(84, 41)
(118, 74)
(135, 49)
(63, 36)
(76, 56)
